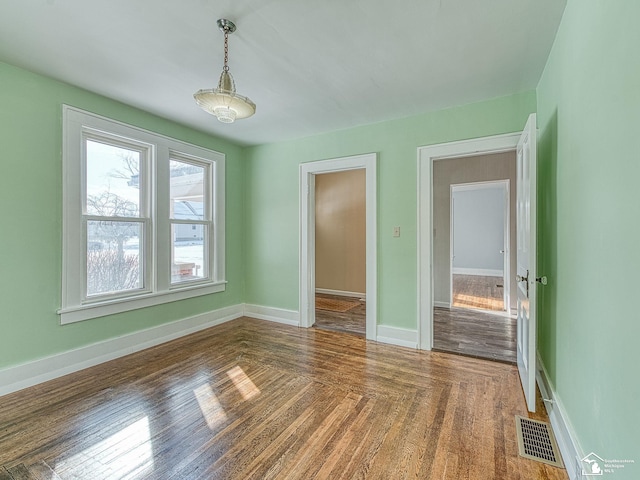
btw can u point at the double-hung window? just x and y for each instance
(143, 218)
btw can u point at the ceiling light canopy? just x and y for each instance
(224, 102)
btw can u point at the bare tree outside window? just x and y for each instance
(109, 204)
(112, 263)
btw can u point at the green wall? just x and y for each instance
(588, 104)
(31, 219)
(589, 224)
(272, 215)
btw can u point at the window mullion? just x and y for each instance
(190, 222)
(100, 218)
(162, 245)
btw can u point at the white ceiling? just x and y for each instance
(310, 66)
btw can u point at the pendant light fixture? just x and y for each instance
(224, 102)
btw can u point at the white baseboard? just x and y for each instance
(386, 334)
(341, 293)
(562, 429)
(397, 336)
(484, 272)
(31, 373)
(442, 304)
(279, 315)
(41, 370)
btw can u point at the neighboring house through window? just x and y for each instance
(143, 220)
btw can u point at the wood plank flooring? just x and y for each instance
(474, 333)
(250, 399)
(475, 291)
(352, 321)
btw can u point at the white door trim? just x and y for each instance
(426, 156)
(452, 232)
(307, 234)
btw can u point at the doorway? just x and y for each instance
(340, 238)
(433, 262)
(471, 210)
(309, 173)
(480, 245)
(524, 144)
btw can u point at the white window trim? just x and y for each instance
(74, 308)
(209, 210)
(145, 218)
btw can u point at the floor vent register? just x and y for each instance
(536, 441)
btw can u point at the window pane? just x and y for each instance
(186, 190)
(113, 175)
(187, 252)
(114, 257)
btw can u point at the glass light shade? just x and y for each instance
(227, 106)
(224, 102)
(225, 114)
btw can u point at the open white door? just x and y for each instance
(526, 263)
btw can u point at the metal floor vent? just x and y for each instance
(536, 441)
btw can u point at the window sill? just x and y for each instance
(102, 309)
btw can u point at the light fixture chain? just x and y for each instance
(226, 50)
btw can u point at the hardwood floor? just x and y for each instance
(352, 321)
(250, 399)
(467, 331)
(474, 333)
(475, 291)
